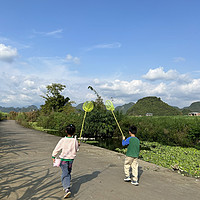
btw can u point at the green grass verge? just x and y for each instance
(90, 141)
(34, 126)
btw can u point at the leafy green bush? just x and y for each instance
(58, 121)
(3, 116)
(101, 123)
(169, 130)
(22, 119)
(12, 115)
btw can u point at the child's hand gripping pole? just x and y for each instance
(87, 107)
(110, 106)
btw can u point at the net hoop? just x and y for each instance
(88, 106)
(109, 105)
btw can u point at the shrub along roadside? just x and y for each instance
(170, 130)
(58, 121)
(3, 116)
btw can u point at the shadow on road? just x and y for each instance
(26, 180)
(77, 182)
(24, 175)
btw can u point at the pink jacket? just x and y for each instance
(69, 147)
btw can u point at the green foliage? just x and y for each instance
(54, 101)
(91, 142)
(184, 160)
(32, 116)
(3, 115)
(152, 105)
(12, 115)
(185, 111)
(194, 132)
(177, 130)
(99, 123)
(22, 119)
(54, 116)
(58, 121)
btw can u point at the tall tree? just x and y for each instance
(54, 101)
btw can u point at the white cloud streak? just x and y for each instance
(105, 46)
(178, 59)
(56, 33)
(70, 58)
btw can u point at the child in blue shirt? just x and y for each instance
(132, 154)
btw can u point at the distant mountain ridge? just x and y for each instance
(124, 107)
(194, 107)
(159, 108)
(24, 109)
(79, 106)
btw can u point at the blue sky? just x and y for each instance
(124, 49)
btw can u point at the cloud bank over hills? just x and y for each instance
(22, 83)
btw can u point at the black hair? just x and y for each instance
(70, 129)
(133, 129)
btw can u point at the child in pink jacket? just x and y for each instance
(68, 147)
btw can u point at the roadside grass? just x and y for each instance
(183, 160)
(50, 131)
(90, 142)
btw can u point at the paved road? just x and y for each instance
(27, 172)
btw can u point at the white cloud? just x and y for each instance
(105, 46)
(25, 87)
(108, 46)
(22, 88)
(29, 83)
(174, 92)
(193, 87)
(178, 59)
(7, 53)
(160, 74)
(55, 33)
(70, 58)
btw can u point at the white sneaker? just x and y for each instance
(127, 179)
(135, 183)
(67, 193)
